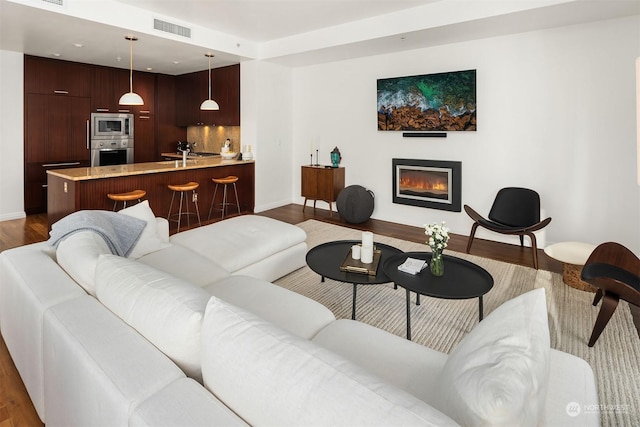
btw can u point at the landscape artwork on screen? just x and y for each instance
(428, 102)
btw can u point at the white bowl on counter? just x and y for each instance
(228, 156)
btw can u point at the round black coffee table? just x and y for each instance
(462, 280)
(326, 260)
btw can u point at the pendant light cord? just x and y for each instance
(131, 65)
(209, 77)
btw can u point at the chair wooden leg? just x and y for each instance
(521, 240)
(609, 304)
(471, 235)
(598, 297)
(534, 249)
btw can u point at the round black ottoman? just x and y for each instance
(355, 204)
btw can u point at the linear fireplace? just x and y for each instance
(432, 184)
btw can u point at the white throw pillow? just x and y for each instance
(164, 309)
(498, 374)
(271, 377)
(149, 241)
(78, 255)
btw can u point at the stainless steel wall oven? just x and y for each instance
(111, 139)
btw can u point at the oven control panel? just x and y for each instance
(112, 144)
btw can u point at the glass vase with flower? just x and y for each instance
(438, 238)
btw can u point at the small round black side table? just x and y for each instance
(326, 259)
(462, 280)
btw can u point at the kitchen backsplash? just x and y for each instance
(211, 138)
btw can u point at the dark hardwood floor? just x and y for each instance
(16, 408)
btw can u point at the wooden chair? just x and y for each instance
(615, 271)
(515, 211)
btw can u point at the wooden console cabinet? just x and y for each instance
(321, 183)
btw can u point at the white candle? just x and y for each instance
(366, 254)
(367, 238)
(355, 251)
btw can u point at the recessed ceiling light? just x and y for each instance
(176, 62)
(149, 68)
(118, 58)
(78, 44)
(55, 54)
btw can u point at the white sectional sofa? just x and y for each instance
(192, 332)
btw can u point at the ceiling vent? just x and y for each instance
(58, 2)
(168, 27)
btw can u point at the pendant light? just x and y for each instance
(209, 104)
(131, 98)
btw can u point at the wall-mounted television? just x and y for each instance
(428, 102)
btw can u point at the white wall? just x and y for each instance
(556, 113)
(11, 136)
(265, 99)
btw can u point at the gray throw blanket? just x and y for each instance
(120, 232)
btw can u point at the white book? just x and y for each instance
(412, 265)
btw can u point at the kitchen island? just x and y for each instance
(75, 189)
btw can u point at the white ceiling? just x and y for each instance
(266, 20)
(290, 32)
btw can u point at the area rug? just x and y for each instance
(441, 324)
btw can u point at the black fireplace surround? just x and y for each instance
(434, 184)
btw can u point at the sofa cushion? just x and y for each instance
(78, 255)
(498, 374)
(186, 264)
(571, 379)
(270, 377)
(30, 284)
(407, 365)
(241, 241)
(97, 368)
(288, 310)
(166, 310)
(184, 402)
(150, 240)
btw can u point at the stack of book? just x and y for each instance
(413, 266)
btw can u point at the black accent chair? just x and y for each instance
(615, 271)
(515, 211)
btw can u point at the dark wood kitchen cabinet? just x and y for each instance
(144, 146)
(193, 88)
(56, 135)
(51, 76)
(57, 107)
(321, 183)
(167, 134)
(144, 124)
(109, 84)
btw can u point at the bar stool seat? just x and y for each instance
(183, 189)
(126, 197)
(189, 186)
(225, 181)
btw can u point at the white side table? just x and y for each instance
(573, 255)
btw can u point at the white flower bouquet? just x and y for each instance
(438, 236)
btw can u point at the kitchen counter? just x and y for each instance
(70, 190)
(99, 172)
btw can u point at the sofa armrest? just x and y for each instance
(163, 229)
(572, 396)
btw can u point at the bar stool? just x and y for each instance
(126, 197)
(183, 189)
(224, 182)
